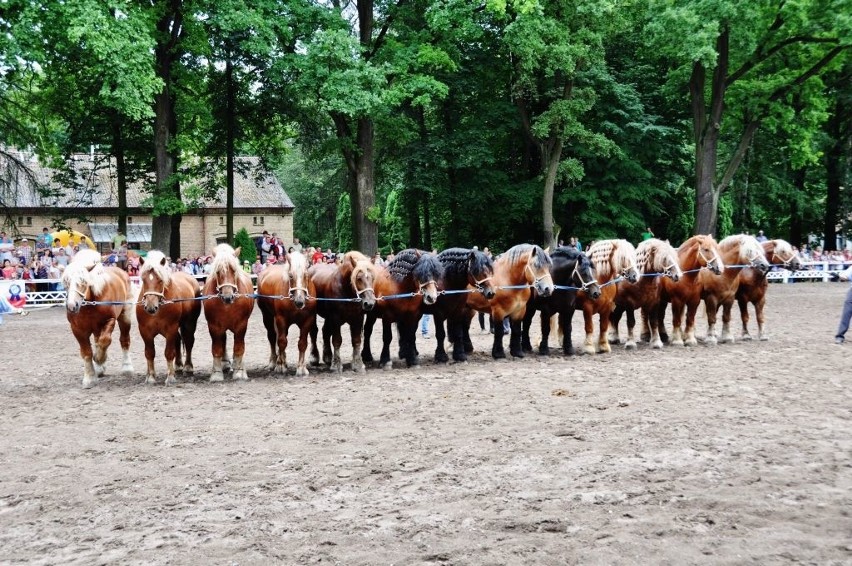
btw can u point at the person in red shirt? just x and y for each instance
(318, 256)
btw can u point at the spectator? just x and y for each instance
(25, 251)
(121, 255)
(840, 335)
(54, 272)
(575, 243)
(118, 239)
(317, 256)
(761, 237)
(257, 267)
(7, 247)
(648, 234)
(246, 266)
(44, 242)
(297, 245)
(258, 243)
(9, 271)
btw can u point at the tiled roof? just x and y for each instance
(95, 186)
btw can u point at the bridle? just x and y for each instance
(584, 284)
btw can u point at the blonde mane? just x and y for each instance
(86, 267)
(154, 263)
(784, 247)
(224, 261)
(611, 257)
(655, 256)
(749, 247)
(362, 263)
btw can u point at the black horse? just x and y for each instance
(402, 289)
(572, 271)
(462, 268)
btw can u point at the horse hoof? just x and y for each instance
(658, 345)
(99, 369)
(188, 371)
(217, 376)
(441, 358)
(127, 371)
(171, 381)
(694, 342)
(630, 345)
(726, 340)
(712, 340)
(302, 372)
(517, 354)
(589, 350)
(605, 349)
(498, 355)
(763, 338)
(678, 343)
(240, 375)
(461, 358)
(150, 379)
(88, 383)
(359, 368)
(279, 368)
(746, 338)
(387, 366)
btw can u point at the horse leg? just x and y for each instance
(218, 348)
(102, 342)
(366, 354)
(335, 364)
(711, 307)
(314, 350)
(150, 353)
(515, 339)
(124, 321)
(172, 351)
(546, 317)
(589, 327)
(356, 328)
(647, 316)
(387, 335)
(304, 330)
(677, 320)
(187, 336)
(614, 320)
(526, 346)
(631, 327)
(566, 328)
(86, 353)
(660, 314)
(689, 332)
(603, 331)
(497, 351)
(465, 333)
(328, 334)
(271, 335)
(441, 356)
(726, 335)
(455, 330)
(239, 352)
(408, 336)
(281, 327)
(743, 304)
(758, 312)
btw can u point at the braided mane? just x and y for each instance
(749, 247)
(403, 264)
(654, 256)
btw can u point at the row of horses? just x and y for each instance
(610, 280)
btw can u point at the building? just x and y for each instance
(52, 199)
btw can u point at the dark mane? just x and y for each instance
(403, 264)
(572, 254)
(429, 268)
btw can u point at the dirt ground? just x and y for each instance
(729, 454)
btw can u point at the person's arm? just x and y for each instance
(846, 274)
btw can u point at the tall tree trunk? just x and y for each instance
(551, 154)
(230, 134)
(796, 235)
(427, 223)
(834, 174)
(120, 171)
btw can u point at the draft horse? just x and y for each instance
(228, 304)
(98, 297)
(402, 288)
(753, 284)
(517, 272)
(738, 252)
(345, 293)
(169, 306)
(655, 259)
(572, 272)
(286, 296)
(464, 271)
(612, 259)
(699, 253)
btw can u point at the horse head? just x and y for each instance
(296, 277)
(780, 252)
(361, 274)
(656, 256)
(154, 275)
(480, 271)
(226, 270)
(706, 252)
(83, 277)
(624, 260)
(426, 273)
(538, 270)
(752, 252)
(584, 276)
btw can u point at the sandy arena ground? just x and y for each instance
(729, 454)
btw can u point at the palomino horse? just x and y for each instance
(98, 297)
(169, 306)
(228, 305)
(402, 288)
(738, 252)
(572, 271)
(613, 260)
(655, 259)
(698, 253)
(345, 294)
(463, 268)
(286, 296)
(517, 272)
(753, 284)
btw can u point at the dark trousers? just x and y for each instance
(846, 316)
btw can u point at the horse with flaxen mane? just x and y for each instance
(738, 252)
(169, 306)
(227, 307)
(753, 284)
(345, 293)
(464, 270)
(97, 298)
(572, 272)
(655, 259)
(613, 260)
(699, 253)
(286, 296)
(402, 288)
(517, 272)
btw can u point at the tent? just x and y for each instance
(76, 237)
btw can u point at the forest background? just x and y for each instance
(415, 123)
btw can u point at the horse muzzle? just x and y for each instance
(228, 299)
(489, 293)
(73, 308)
(594, 292)
(152, 309)
(544, 290)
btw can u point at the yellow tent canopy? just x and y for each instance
(76, 237)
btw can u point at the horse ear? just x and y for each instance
(547, 250)
(163, 261)
(141, 261)
(213, 252)
(237, 251)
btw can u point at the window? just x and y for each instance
(20, 221)
(221, 221)
(258, 220)
(130, 220)
(29, 220)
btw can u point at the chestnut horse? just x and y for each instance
(699, 253)
(107, 297)
(345, 293)
(572, 271)
(655, 259)
(517, 272)
(169, 306)
(738, 252)
(286, 296)
(465, 271)
(753, 284)
(402, 288)
(613, 260)
(227, 306)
